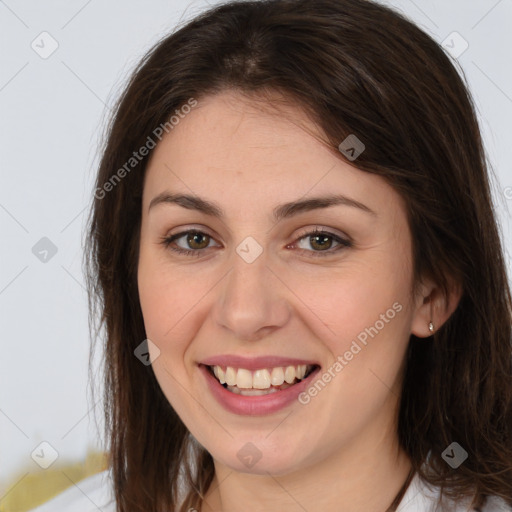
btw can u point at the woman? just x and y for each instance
(294, 253)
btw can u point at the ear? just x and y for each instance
(433, 305)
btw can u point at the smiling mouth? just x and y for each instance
(260, 382)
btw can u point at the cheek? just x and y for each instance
(362, 319)
(166, 294)
(167, 300)
(360, 313)
(346, 301)
(164, 299)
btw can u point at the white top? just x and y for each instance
(95, 494)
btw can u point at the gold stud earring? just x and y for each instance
(431, 327)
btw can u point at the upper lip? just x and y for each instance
(255, 363)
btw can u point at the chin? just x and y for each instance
(260, 457)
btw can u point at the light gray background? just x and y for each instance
(52, 113)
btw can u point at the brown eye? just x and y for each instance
(321, 243)
(196, 240)
(192, 242)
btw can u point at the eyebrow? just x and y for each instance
(286, 210)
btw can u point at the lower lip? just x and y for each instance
(255, 405)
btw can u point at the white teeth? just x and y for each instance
(244, 378)
(277, 377)
(289, 374)
(256, 392)
(263, 379)
(230, 376)
(219, 373)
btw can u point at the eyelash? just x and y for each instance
(344, 243)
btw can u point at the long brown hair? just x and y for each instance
(356, 67)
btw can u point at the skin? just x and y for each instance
(340, 451)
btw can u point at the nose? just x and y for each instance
(252, 301)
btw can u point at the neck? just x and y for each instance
(363, 476)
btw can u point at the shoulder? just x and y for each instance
(495, 504)
(89, 495)
(420, 497)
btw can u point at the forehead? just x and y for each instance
(232, 130)
(243, 152)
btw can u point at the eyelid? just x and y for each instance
(322, 229)
(191, 227)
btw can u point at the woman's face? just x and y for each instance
(259, 291)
